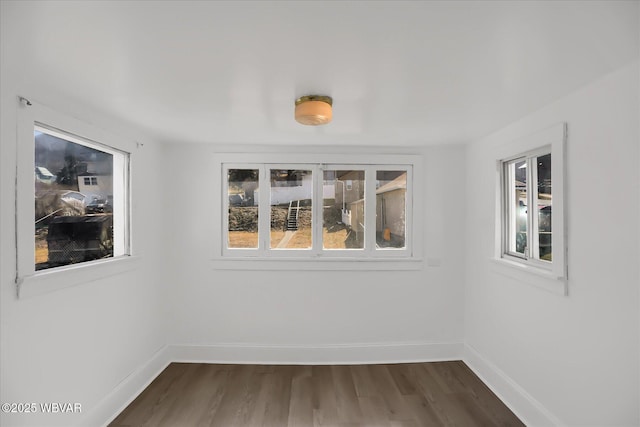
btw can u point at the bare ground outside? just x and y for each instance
(42, 250)
(301, 239)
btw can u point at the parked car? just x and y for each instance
(236, 200)
(98, 206)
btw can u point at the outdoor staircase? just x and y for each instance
(292, 215)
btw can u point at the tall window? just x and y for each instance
(528, 200)
(532, 215)
(242, 187)
(530, 219)
(311, 209)
(343, 207)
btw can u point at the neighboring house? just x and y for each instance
(298, 185)
(349, 187)
(390, 207)
(95, 186)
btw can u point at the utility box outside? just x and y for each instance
(73, 239)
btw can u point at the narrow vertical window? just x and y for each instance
(516, 182)
(391, 189)
(543, 170)
(531, 230)
(343, 209)
(242, 191)
(291, 194)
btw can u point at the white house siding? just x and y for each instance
(390, 210)
(101, 191)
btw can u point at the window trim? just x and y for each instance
(29, 282)
(551, 140)
(330, 258)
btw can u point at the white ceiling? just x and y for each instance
(400, 73)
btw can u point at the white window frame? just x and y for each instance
(338, 258)
(32, 115)
(551, 275)
(532, 218)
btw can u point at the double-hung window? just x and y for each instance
(531, 213)
(309, 209)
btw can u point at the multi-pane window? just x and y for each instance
(80, 198)
(527, 207)
(531, 233)
(316, 209)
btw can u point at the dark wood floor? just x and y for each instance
(414, 394)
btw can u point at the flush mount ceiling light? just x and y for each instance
(313, 110)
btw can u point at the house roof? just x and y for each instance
(93, 174)
(397, 184)
(44, 171)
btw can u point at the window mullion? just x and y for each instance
(317, 209)
(370, 210)
(264, 211)
(535, 237)
(530, 209)
(508, 211)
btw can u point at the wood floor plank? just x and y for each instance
(151, 398)
(277, 408)
(301, 406)
(423, 411)
(346, 398)
(238, 398)
(192, 404)
(398, 395)
(374, 411)
(402, 377)
(397, 409)
(325, 406)
(363, 381)
(483, 396)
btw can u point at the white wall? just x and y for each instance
(577, 356)
(77, 344)
(254, 311)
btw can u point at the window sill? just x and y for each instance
(317, 264)
(42, 282)
(531, 275)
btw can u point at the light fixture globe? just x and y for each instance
(313, 110)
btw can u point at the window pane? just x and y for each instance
(544, 207)
(343, 209)
(73, 202)
(391, 188)
(517, 209)
(291, 208)
(243, 193)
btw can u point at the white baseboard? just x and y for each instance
(318, 355)
(529, 410)
(128, 389)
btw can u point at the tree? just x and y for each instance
(68, 175)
